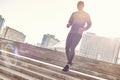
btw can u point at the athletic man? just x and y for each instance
(79, 22)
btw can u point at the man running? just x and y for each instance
(79, 22)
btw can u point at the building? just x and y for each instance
(60, 46)
(2, 20)
(118, 61)
(12, 34)
(48, 41)
(100, 48)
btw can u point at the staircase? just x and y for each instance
(25, 68)
(35, 63)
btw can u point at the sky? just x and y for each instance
(38, 17)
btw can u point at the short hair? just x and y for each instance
(80, 3)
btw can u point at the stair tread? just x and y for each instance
(17, 73)
(40, 70)
(4, 77)
(57, 69)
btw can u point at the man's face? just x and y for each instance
(80, 6)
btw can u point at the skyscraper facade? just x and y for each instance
(100, 48)
(48, 41)
(12, 34)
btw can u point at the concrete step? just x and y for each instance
(15, 74)
(49, 69)
(5, 77)
(26, 71)
(42, 73)
(81, 64)
(56, 68)
(8, 63)
(24, 67)
(83, 68)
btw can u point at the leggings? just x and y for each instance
(71, 43)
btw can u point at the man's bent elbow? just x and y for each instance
(88, 26)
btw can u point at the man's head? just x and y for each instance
(80, 5)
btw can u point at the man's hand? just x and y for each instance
(68, 25)
(81, 30)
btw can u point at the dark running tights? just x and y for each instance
(71, 43)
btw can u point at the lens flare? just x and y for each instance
(7, 47)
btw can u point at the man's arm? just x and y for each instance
(88, 21)
(70, 21)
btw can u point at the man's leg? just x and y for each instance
(75, 42)
(68, 45)
(68, 51)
